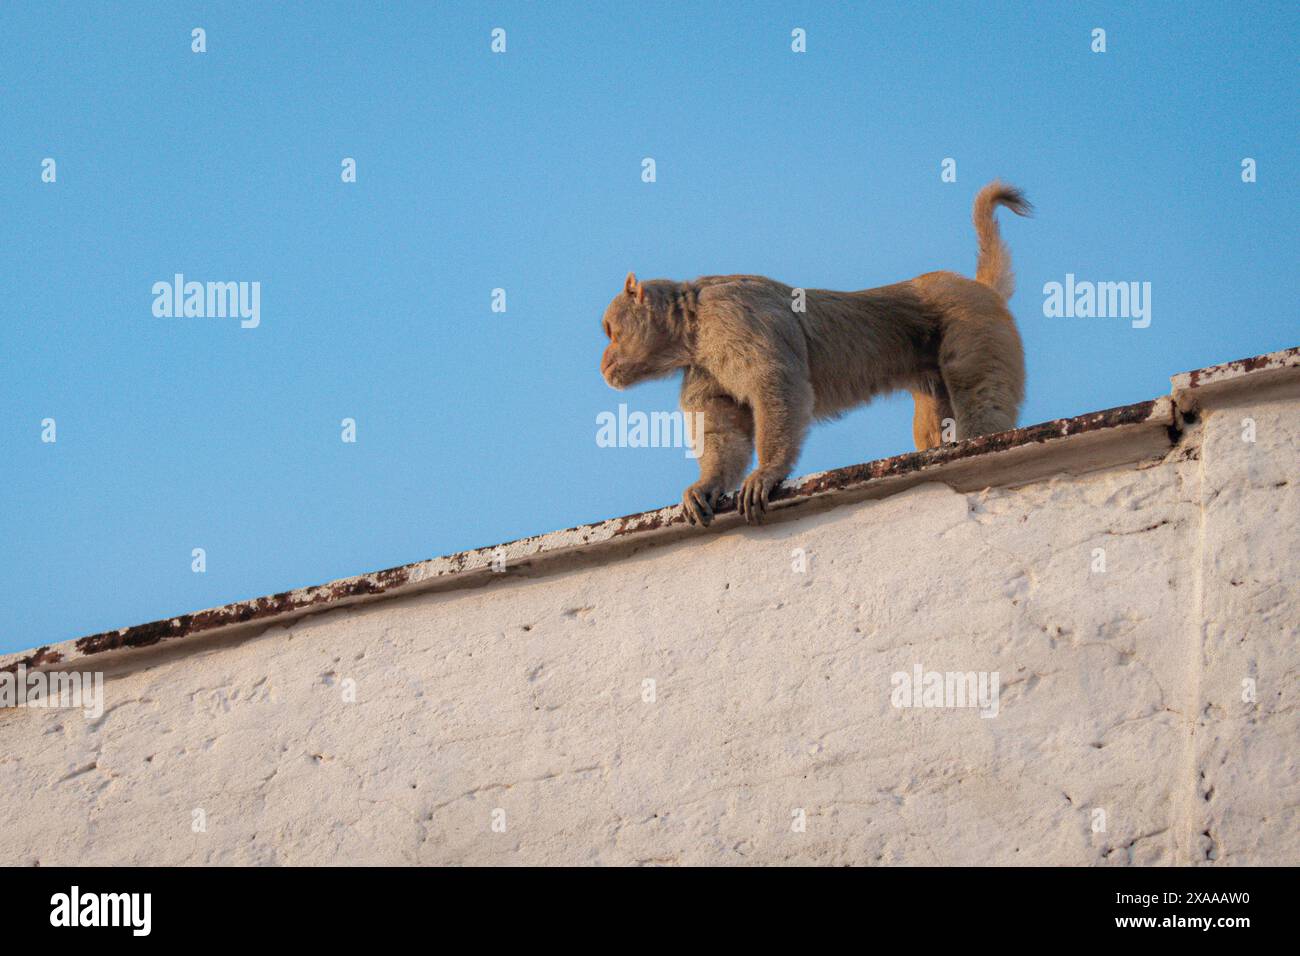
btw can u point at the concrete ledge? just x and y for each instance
(1064, 446)
(1259, 372)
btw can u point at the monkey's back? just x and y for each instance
(864, 343)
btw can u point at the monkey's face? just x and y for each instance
(642, 344)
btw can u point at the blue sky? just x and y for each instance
(522, 171)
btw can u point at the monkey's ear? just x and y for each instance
(640, 293)
(629, 284)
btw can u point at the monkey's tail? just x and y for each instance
(994, 268)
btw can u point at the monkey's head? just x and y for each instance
(646, 333)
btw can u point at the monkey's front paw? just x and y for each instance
(699, 500)
(754, 493)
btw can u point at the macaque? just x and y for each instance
(762, 360)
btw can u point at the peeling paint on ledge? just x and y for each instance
(466, 564)
(276, 605)
(1184, 385)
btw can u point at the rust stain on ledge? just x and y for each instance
(272, 606)
(37, 658)
(520, 553)
(1286, 358)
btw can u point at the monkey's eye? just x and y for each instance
(608, 334)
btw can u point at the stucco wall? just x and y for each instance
(525, 702)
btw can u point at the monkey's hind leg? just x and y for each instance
(983, 368)
(933, 407)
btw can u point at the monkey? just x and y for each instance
(763, 360)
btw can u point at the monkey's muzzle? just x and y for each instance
(610, 372)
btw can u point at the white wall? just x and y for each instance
(1120, 692)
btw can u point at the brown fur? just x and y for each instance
(762, 372)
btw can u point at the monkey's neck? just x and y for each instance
(683, 317)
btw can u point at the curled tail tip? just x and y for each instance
(1018, 204)
(994, 265)
(998, 193)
